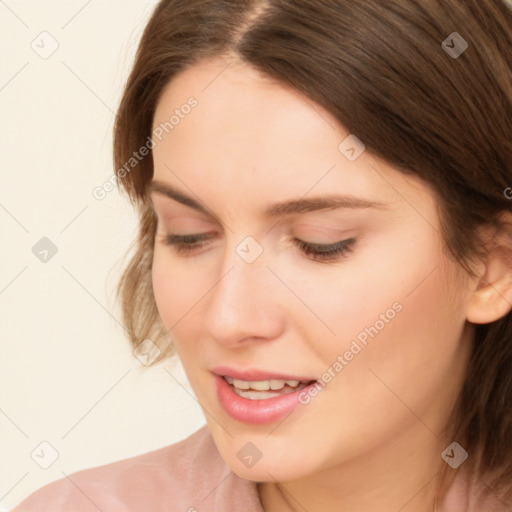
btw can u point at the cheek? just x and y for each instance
(162, 287)
(392, 315)
(409, 362)
(344, 302)
(177, 295)
(425, 339)
(174, 291)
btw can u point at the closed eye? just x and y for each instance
(186, 245)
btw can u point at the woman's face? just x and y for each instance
(379, 326)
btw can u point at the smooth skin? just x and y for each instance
(372, 438)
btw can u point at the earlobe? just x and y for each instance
(491, 299)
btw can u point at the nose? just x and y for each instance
(244, 303)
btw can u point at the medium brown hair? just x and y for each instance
(380, 69)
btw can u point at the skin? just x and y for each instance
(372, 438)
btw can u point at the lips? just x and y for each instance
(255, 374)
(259, 397)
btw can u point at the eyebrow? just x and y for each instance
(294, 206)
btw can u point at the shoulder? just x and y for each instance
(175, 477)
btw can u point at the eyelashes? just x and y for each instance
(326, 252)
(186, 245)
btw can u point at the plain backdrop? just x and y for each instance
(72, 394)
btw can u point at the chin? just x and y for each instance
(266, 471)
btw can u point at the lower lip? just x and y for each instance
(256, 411)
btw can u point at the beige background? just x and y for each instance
(68, 376)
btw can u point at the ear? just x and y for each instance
(491, 296)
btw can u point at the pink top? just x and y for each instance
(188, 476)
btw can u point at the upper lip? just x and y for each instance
(252, 374)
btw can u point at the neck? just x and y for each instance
(392, 478)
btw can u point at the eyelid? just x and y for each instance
(323, 253)
(186, 219)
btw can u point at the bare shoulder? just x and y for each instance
(128, 485)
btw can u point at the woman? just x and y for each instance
(326, 243)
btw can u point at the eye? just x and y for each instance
(184, 244)
(323, 252)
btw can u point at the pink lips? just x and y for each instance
(256, 411)
(256, 374)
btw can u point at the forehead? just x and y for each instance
(253, 138)
(237, 105)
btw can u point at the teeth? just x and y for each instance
(261, 385)
(276, 384)
(263, 395)
(258, 385)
